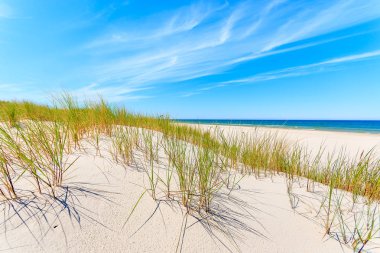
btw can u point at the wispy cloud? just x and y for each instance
(306, 69)
(17, 91)
(157, 27)
(112, 94)
(258, 55)
(323, 66)
(356, 57)
(322, 18)
(207, 39)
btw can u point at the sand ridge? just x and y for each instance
(89, 215)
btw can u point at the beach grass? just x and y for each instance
(35, 141)
(252, 154)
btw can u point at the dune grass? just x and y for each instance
(7, 189)
(264, 154)
(36, 140)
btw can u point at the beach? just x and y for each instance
(96, 210)
(190, 126)
(352, 142)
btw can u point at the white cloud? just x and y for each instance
(294, 48)
(112, 93)
(157, 27)
(306, 69)
(353, 57)
(20, 91)
(205, 39)
(328, 65)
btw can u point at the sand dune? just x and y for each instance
(89, 214)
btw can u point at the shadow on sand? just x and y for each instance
(40, 214)
(227, 222)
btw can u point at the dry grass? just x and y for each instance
(36, 141)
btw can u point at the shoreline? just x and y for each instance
(282, 128)
(376, 132)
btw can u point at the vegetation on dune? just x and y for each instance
(36, 141)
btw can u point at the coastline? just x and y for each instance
(328, 129)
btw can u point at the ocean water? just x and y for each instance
(368, 126)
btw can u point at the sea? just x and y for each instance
(364, 126)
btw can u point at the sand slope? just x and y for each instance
(89, 215)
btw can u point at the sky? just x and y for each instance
(272, 59)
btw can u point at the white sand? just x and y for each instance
(89, 214)
(353, 142)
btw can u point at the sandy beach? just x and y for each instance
(90, 213)
(352, 142)
(192, 126)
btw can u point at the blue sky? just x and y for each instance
(272, 59)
